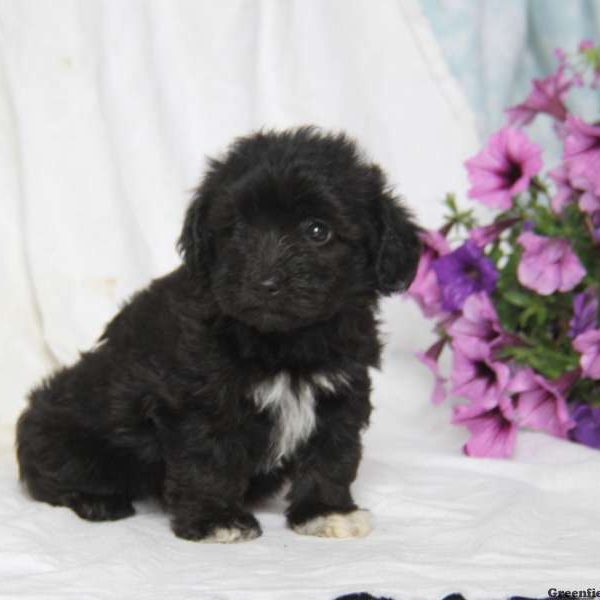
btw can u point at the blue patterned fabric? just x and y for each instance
(495, 47)
(365, 596)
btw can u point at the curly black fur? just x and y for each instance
(165, 404)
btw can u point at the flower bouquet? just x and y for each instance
(516, 301)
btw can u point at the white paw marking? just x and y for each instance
(350, 525)
(230, 535)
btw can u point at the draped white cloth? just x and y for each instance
(110, 108)
(107, 112)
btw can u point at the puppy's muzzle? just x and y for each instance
(265, 263)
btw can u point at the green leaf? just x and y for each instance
(549, 362)
(517, 297)
(592, 56)
(528, 313)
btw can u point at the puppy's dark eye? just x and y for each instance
(316, 231)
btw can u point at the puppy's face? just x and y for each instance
(286, 251)
(290, 228)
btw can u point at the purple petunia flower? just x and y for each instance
(430, 359)
(463, 272)
(548, 264)
(425, 289)
(528, 225)
(493, 431)
(547, 97)
(585, 313)
(504, 168)
(595, 225)
(582, 151)
(587, 425)
(539, 403)
(588, 343)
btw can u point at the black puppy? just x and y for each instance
(245, 367)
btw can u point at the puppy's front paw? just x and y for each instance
(230, 535)
(355, 524)
(238, 528)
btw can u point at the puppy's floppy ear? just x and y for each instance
(398, 247)
(193, 243)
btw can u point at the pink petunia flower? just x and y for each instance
(561, 56)
(573, 188)
(504, 168)
(589, 202)
(425, 289)
(547, 96)
(430, 359)
(475, 374)
(582, 151)
(540, 404)
(493, 431)
(478, 329)
(548, 264)
(565, 192)
(487, 234)
(588, 343)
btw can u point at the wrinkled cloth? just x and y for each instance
(108, 111)
(443, 521)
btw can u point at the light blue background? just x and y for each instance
(495, 47)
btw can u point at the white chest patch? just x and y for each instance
(292, 409)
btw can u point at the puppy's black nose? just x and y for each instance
(270, 285)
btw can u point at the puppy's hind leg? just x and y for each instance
(99, 508)
(65, 466)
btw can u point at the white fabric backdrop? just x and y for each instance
(107, 111)
(110, 108)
